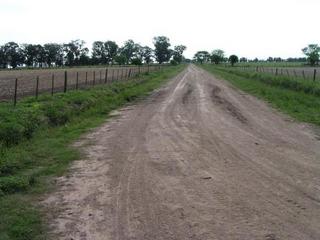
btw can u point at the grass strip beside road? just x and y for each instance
(35, 145)
(299, 100)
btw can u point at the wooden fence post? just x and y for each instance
(314, 74)
(65, 81)
(86, 82)
(94, 78)
(129, 73)
(303, 74)
(100, 80)
(112, 78)
(288, 73)
(106, 76)
(37, 87)
(15, 92)
(52, 84)
(77, 81)
(276, 71)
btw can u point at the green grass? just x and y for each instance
(292, 83)
(295, 99)
(274, 64)
(35, 145)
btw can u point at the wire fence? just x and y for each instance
(307, 73)
(15, 85)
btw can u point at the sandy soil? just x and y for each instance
(198, 160)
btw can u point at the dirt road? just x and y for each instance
(195, 160)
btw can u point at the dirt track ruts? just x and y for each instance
(198, 160)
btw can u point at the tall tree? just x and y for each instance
(243, 59)
(99, 53)
(202, 56)
(178, 53)
(120, 59)
(137, 57)
(3, 62)
(147, 54)
(54, 54)
(74, 50)
(312, 52)
(270, 59)
(162, 51)
(30, 54)
(233, 59)
(84, 59)
(111, 51)
(40, 55)
(13, 54)
(128, 50)
(217, 56)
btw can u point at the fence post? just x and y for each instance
(100, 77)
(276, 71)
(77, 81)
(295, 73)
(106, 76)
(288, 73)
(86, 82)
(94, 78)
(15, 92)
(65, 81)
(112, 78)
(52, 84)
(129, 73)
(303, 74)
(314, 74)
(37, 87)
(148, 68)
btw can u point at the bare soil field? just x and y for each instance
(197, 160)
(27, 79)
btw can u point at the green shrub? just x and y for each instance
(57, 114)
(11, 133)
(30, 121)
(12, 184)
(8, 167)
(173, 62)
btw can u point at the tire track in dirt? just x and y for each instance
(198, 160)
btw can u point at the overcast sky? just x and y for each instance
(248, 28)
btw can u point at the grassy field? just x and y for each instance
(273, 64)
(296, 97)
(35, 145)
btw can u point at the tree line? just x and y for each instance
(217, 56)
(75, 53)
(312, 52)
